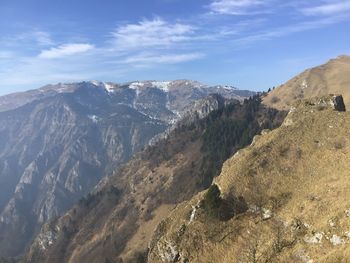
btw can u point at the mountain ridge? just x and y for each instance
(56, 147)
(330, 78)
(293, 181)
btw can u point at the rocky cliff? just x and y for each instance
(115, 222)
(57, 142)
(284, 198)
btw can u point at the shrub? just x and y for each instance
(275, 99)
(212, 201)
(216, 207)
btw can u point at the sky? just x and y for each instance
(250, 44)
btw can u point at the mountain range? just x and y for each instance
(58, 142)
(177, 171)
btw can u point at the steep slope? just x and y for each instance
(116, 221)
(57, 142)
(284, 198)
(330, 78)
(54, 151)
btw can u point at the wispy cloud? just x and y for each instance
(236, 7)
(226, 26)
(288, 30)
(65, 50)
(154, 33)
(42, 38)
(30, 38)
(163, 59)
(329, 8)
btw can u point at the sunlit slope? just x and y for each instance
(293, 184)
(330, 78)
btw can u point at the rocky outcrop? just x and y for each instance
(295, 181)
(115, 221)
(332, 77)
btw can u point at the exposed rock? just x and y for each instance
(347, 213)
(266, 213)
(330, 78)
(58, 142)
(315, 238)
(338, 103)
(168, 252)
(336, 240)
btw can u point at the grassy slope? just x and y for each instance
(118, 219)
(330, 78)
(300, 172)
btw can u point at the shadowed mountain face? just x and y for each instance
(116, 220)
(56, 143)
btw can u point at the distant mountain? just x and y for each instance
(57, 142)
(188, 90)
(330, 78)
(115, 222)
(284, 198)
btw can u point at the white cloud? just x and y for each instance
(236, 7)
(163, 59)
(155, 33)
(65, 50)
(330, 8)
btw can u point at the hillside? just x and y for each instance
(58, 142)
(330, 78)
(116, 221)
(284, 198)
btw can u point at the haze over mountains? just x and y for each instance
(288, 181)
(59, 141)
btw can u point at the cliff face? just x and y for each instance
(116, 221)
(56, 143)
(284, 198)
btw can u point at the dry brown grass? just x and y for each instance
(330, 78)
(304, 168)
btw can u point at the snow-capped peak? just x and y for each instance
(107, 86)
(227, 87)
(163, 85)
(135, 85)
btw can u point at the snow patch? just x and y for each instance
(108, 87)
(94, 118)
(163, 85)
(136, 85)
(227, 87)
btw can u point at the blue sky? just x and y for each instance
(252, 44)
